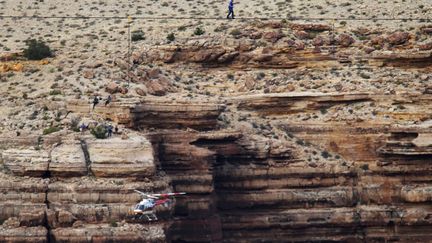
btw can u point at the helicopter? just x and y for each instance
(144, 209)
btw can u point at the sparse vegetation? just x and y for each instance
(99, 132)
(171, 37)
(236, 33)
(364, 167)
(50, 130)
(113, 223)
(137, 35)
(55, 92)
(325, 154)
(36, 50)
(199, 31)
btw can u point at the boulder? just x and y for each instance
(378, 40)
(112, 88)
(345, 40)
(302, 35)
(141, 91)
(154, 87)
(123, 90)
(154, 73)
(250, 83)
(159, 87)
(93, 65)
(368, 50)
(88, 74)
(273, 36)
(299, 45)
(255, 35)
(318, 41)
(121, 64)
(398, 38)
(228, 57)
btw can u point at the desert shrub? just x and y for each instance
(323, 111)
(55, 92)
(365, 167)
(50, 130)
(236, 33)
(199, 31)
(171, 37)
(99, 132)
(325, 154)
(74, 123)
(137, 35)
(37, 50)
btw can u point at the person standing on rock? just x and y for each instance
(95, 101)
(108, 100)
(110, 130)
(82, 128)
(230, 9)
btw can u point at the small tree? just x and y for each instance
(99, 132)
(171, 37)
(199, 31)
(137, 35)
(37, 50)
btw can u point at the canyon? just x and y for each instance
(334, 156)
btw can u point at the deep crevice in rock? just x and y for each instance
(87, 157)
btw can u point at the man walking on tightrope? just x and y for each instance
(230, 9)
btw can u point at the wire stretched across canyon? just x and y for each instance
(213, 18)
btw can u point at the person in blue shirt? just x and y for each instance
(230, 9)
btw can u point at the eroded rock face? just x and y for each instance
(68, 160)
(345, 166)
(105, 233)
(116, 157)
(87, 194)
(24, 234)
(26, 162)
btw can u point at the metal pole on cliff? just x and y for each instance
(129, 49)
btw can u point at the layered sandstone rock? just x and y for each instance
(26, 162)
(160, 114)
(107, 233)
(117, 111)
(23, 234)
(115, 157)
(71, 204)
(68, 160)
(350, 166)
(157, 113)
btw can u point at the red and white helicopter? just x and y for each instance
(144, 209)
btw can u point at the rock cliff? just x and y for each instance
(79, 190)
(314, 134)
